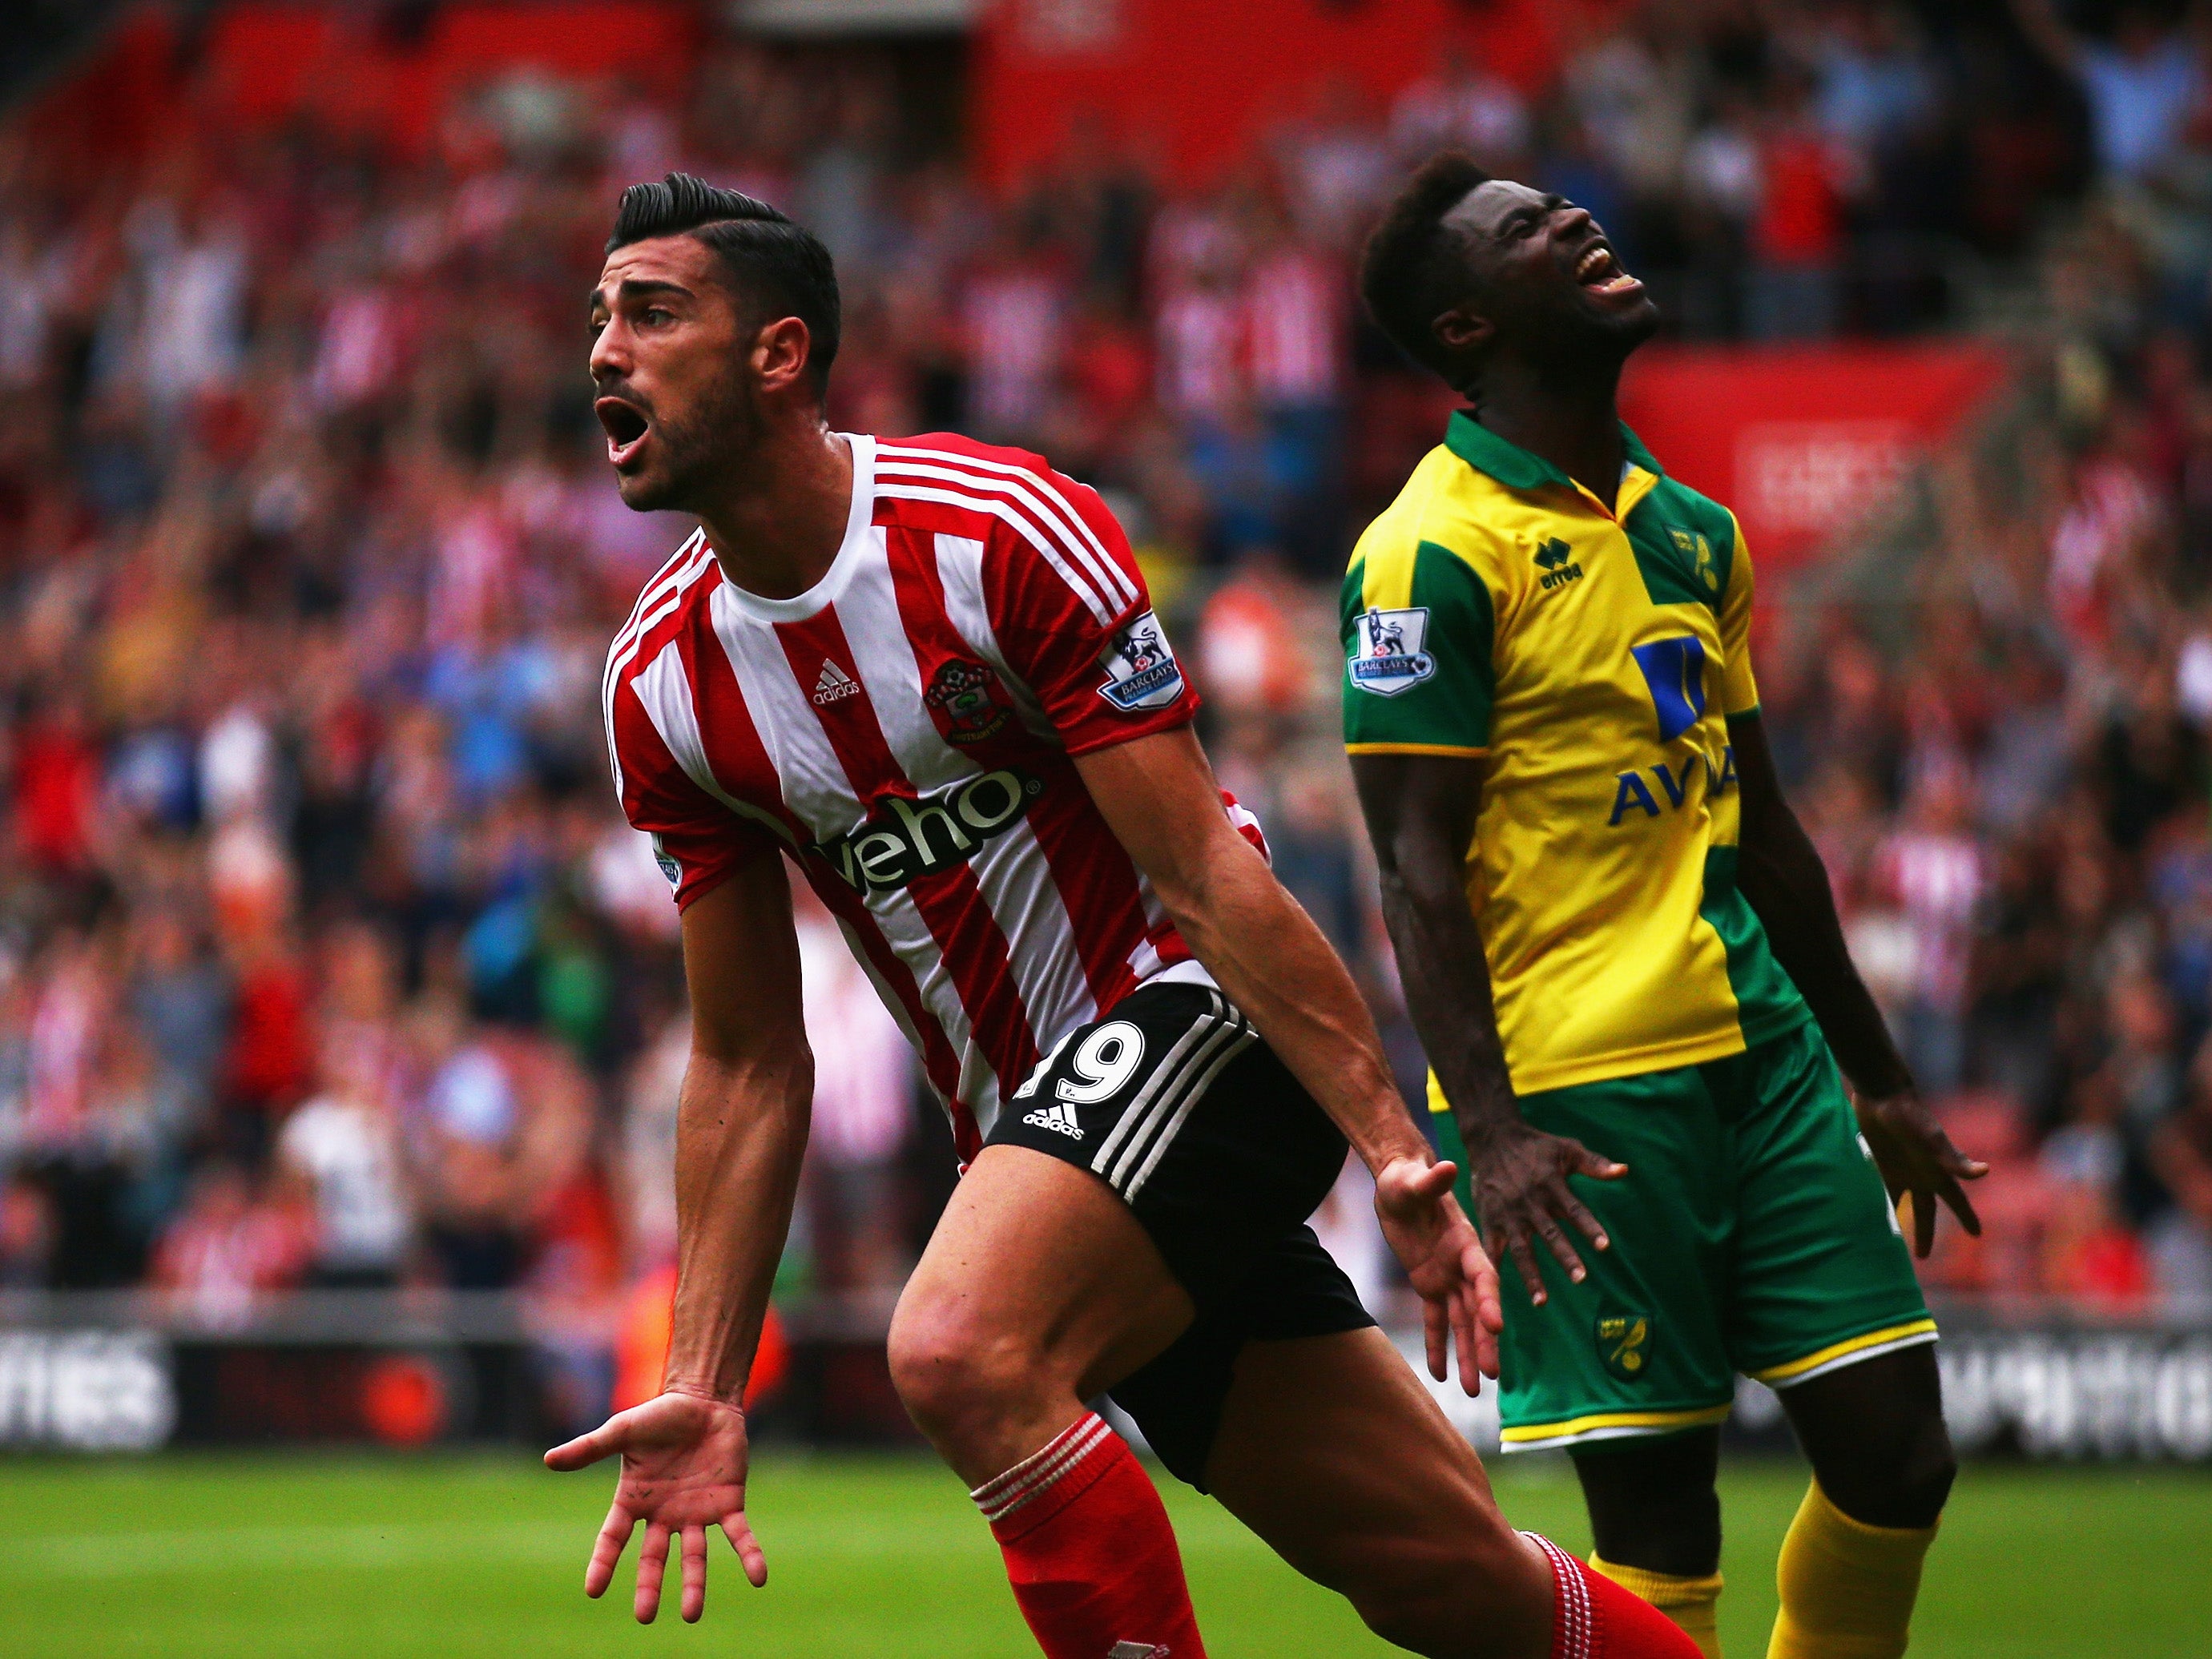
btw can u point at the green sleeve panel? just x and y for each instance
(1684, 545)
(1418, 628)
(1739, 687)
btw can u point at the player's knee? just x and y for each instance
(1450, 1596)
(952, 1375)
(1421, 1595)
(1902, 1479)
(1920, 1477)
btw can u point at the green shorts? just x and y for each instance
(1752, 1234)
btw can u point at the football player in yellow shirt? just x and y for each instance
(1619, 947)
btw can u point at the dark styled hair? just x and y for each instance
(1410, 274)
(771, 261)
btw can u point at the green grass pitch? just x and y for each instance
(249, 1556)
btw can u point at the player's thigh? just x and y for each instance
(1037, 1279)
(1822, 1279)
(1637, 1347)
(1331, 1450)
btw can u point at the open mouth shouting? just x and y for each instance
(627, 429)
(1600, 272)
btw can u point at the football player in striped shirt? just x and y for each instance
(926, 672)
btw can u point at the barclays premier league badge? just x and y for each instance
(1387, 657)
(1141, 671)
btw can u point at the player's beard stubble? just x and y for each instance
(689, 450)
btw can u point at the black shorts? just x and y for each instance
(1173, 1100)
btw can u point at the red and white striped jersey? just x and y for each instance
(904, 731)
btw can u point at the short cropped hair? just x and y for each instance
(766, 256)
(1409, 275)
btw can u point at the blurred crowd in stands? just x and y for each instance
(325, 958)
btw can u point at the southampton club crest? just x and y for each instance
(1387, 655)
(963, 692)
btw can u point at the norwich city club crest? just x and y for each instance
(1692, 544)
(1623, 1343)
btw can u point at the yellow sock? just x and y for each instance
(1690, 1602)
(1847, 1589)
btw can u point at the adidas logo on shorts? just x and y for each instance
(833, 683)
(1061, 1116)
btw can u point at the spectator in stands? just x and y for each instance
(1935, 873)
(233, 1241)
(1463, 106)
(509, 1120)
(2141, 88)
(342, 1145)
(26, 1234)
(2181, 1153)
(1805, 178)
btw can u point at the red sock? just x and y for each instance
(1088, 1550)
(1594, 1618)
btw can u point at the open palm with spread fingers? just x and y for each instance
(682, 1471)
(1445, 1261)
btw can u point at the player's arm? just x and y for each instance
(1781, 874)
(1420, 812)
(1158, 795)
(741, 1126)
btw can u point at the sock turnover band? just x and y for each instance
(1042, 1473)
(1089, 1554)
(1692, 1603)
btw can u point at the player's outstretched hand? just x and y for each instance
(1445, 1261)
(682, 1471)
(1521, 1188)
(1914, 1156)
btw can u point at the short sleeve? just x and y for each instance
(1418, 629)
(1739, 691)
(1075, 623)
(698, 842)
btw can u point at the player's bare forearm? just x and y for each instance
(1158, 795)
(1782, 877)
(740, 1129)
(1420, 811)
(1420, 815)
(1785, 881)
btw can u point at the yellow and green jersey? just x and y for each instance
(1496, 609)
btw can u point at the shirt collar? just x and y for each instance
(1517, 468)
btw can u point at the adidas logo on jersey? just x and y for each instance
(833, 684)
(1060, 1117)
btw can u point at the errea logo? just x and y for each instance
(1557, 561)
(833, 683)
